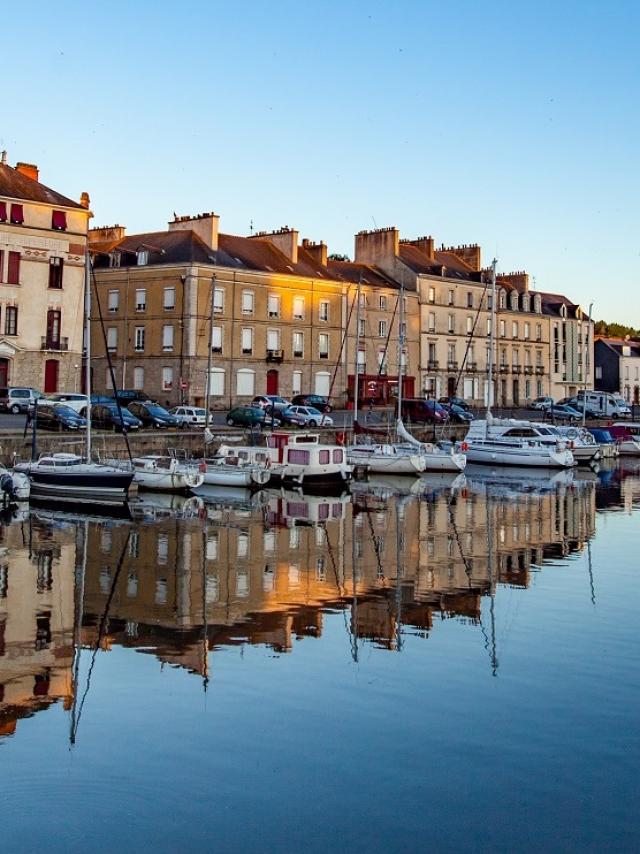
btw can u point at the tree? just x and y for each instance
(337, 256)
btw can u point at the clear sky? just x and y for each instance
(510, 124)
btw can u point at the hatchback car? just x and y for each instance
(251, 416)
(541, 403)
(419, 410)
(309, 416)
(190, 416)
(58, 416)
(128, 395)
(316, 400)
(455, 401)
(153, 415)
(457, 414)
(107, 416)
(17, 399)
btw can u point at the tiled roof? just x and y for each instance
(164, 247)
(15, 185)
(352, 272)
(420, 262)
(551, 304)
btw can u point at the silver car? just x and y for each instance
(190, 416)
(310, 416)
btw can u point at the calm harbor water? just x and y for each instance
(451, 667)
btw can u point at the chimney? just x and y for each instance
(285, 239)
(106, 232)
(205, 225)
(379, 247)
(85, 201)
(3, 158)
(469, 253)
(518, 280)
(318, 251)
(30, 170)
(424, 244)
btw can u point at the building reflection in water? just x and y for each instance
(185, 579)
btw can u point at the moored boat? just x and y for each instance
(627, 437)
(166, 474)
(302, 460)
(70, 478)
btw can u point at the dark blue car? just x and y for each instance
(107, 416)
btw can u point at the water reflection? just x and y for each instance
(185, 577)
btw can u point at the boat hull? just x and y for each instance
(538, 457)
(106, 488)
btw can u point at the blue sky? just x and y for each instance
(513, 125)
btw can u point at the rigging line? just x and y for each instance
(341, 590)
(470, 337)
(376, 546)
(383, 361)
(101, 627)
(467, 568)
(342, 343)
(109, 361)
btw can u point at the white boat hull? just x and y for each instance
(629, 448)
(538, 456)
(246, 477)
(380, 462)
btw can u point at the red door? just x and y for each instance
(50, 376)
(4, 372)
(272, 382)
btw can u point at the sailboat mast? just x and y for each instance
(87, 348)
(401, 338)
(356, 378)
(492, 338)
(207, 393)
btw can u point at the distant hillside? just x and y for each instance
(615, 330)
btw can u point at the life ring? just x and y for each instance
(464, 446)
(572, 433)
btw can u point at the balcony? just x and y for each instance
(50, 343)
(504, 368)
(452, 366)
(275, 355)
(528, 369)
(539, 370)
(433, 364)
(515, 369)
(472, 367)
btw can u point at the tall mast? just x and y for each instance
(87, 348)
(586, 363)
(356, 378)
(207, 394)
(492, 337)
(400, 348)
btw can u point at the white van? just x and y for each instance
(605, 405)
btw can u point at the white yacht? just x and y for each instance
(508, 442)
(166, 474)
(232, 470)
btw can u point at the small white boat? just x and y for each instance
(232, 471)
(579, 440)
(508, 442)
(386, 458)
(300, 459)
(166, 474)
(627, 436)
(14, 485)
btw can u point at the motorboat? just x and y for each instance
(579, 440)
(160, 473)
(605, 441)
(232, 471)
(509, 442)
(627, 437)
(385, 458)
(300, 459)
(70, 478)
(14, 486)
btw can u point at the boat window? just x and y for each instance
(338, 455)
(298, 508)
(324, 457)
(299, 457)
(336, 511)
(323, 513)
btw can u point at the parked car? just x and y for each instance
(574, 403)
(309, 416)
(457, 414)
(316, 400)
(558, 412)
(289, 417)
(17, 399)
(267, 400)
(153, 415)
(251, 416)
(455, 401)
(190, 416)
(70, 399)
(419, 410)
(58, 416)
(541, 403)
(107, 416)
(128, 395)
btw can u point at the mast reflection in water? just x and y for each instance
(438, 571)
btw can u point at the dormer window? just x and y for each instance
(514, 300)
(115, 258)
(537, 304)
(525, 302)
(17, 214)
(59, 220)
(563, 311)
(501, 299)
(142, 257)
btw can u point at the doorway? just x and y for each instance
(51, 376)
(451, 386)
(516, 393)
(272, 382)
(4, 372)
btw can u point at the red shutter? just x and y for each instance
(13, 277)
(3, 211)
(59, 220)
(17, 214)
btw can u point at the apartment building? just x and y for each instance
(570, 346)
(617, 367)
(42, 251)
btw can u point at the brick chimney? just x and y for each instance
(205, 225)
(85, 201)
(285, 239)
(318, 251)
(378, 247)
(106, 232)
(469, 253)
(30, 170)
(424, 244)
(519, 280)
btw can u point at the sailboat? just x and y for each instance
(407, 455)
(71, 478)
(504, 441)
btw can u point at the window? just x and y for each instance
(469, 299)
(527, 331)
(338, 455)
(324, 310)
(139, 339)
(142, 257)
(3, 211)
(55, 272)
(538, 332)
(273, 305)
(17, 214)
(167, 379)
(273, 340)
(362, 327)
(469, 325)
(503, 328)
(324, 457)
(432, 295)
(501, 299)
(216, 339)
(298, 308)
(513, 298)
(451, 324)
(382, 365)
(488, 326)
(247, 302)
(59, 220)
(245, 382)
(169, 298)
(432, 352)
(112, 339)
(296, 382)
(218, 300)
(1, 265)
(323, 345)
(216, 382)
(13, 272)
(167, 338)
(298, 344)
(383, 303)
(382, 329)
(298, 456)
(115, 258)
(514, 329)
(141, 299)
(432, 322)
(451, 296)
(247, 342)
(451, 353)
(11, 320)
(138, 378)
(362, 361)
(113, 300)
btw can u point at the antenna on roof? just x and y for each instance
(251, 227)
(534, 282)
(375, 224)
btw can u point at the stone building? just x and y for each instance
(570, 346)
(42, 250)
(617, 367)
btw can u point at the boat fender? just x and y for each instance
(202, 467)
(464, 446)
(571, 444)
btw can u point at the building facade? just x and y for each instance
(43, 238)
(617, 367)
